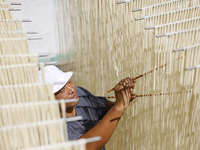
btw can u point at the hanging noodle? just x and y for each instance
(103, 42)
(30, 118)
(109, 44)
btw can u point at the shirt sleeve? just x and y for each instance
(75, 130)
(90, 103)
(102, 111)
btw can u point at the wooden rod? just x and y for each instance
(157, 94)
(146, 73)
(110, 90)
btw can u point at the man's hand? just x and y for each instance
(123, 93)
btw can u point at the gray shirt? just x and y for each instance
(91, 108)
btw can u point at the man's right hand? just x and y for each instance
(123, 93)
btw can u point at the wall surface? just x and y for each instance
(41, 14)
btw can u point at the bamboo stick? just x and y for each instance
(156, 94)
(146, 73)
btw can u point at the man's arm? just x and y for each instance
(107, 125)
(104, 128)
(109, 105)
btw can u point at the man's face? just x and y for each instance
(68, 92)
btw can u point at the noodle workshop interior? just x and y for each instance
(138, 59)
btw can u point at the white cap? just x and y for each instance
(55, 76)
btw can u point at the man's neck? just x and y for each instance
(70, 112)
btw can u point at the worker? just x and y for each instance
(100, 116)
